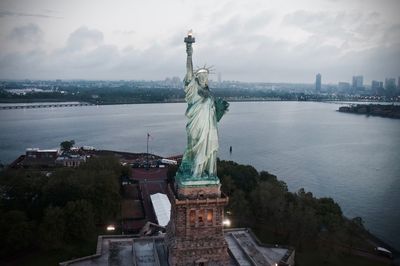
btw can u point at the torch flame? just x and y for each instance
(190, 33)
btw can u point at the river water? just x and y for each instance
(352, 158)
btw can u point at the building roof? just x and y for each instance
(39, 150)
(244, 249)
(162, 208)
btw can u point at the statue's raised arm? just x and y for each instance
(189, 51)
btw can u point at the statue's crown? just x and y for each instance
(204, 69)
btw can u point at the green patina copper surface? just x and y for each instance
(199, 162)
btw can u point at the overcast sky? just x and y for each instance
(269, 41)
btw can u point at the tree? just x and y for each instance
(354, 228)
(52, 211)
(268, 204)
(79, 219)
(267, 177)
(104, 196)
(21, 190)
(52, 228)
(240, 209)
(244, 177)
(67, 145)
(16, 232)
(228, 186)
(329, 213)
(64, 186)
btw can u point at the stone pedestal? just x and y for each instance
(195, 231)
(199, 192)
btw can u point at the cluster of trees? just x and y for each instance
(260, 201)
(66, 145)
(129, 95)
(120, 95)
(140, 95)
(50, 210)
(54, 96)
(384, 110)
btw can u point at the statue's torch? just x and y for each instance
(189, 50)
(189, 39)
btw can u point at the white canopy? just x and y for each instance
(162, 208)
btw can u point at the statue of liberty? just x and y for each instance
(199, 162)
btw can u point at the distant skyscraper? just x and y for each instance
(344, 86)
(358, 82)
(219, 77)
(318, 82)
(390, 87)
(398, 83)
(390, 83)
(377, 87)
(376, 84)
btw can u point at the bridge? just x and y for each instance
(45, 105)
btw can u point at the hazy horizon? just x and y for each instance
(256, 41)
(181, 79)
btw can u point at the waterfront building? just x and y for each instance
(36, 153)
(70, 160)
(38, 157)
(358, 82)
(318, 82)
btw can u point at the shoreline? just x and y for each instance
(29, 104)
(380, 110)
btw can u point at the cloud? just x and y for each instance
(6, 13)
(85, 55)
(350, 30)
(258, 20)
(124, 32)
(30, 33)
(84, 38)
(242, 47)
(391, 36)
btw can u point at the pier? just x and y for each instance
(45, 105)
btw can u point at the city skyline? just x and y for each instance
(280, 42)
(218, 79)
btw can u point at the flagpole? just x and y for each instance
(148, 150)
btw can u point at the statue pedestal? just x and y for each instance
(199, 192)
(195, 232)
(197, 187)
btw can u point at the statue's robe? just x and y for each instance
(202, 132)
